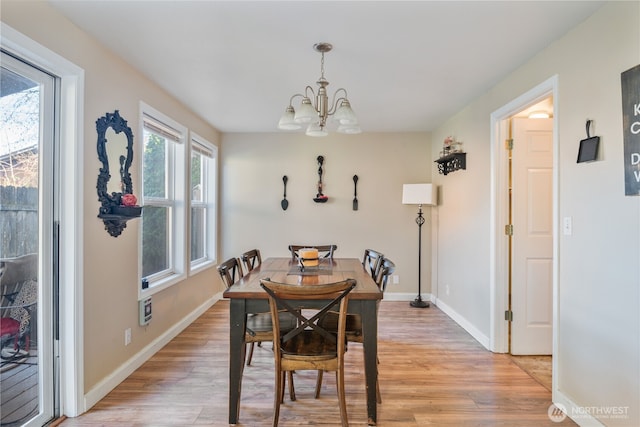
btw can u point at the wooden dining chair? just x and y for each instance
(259, 325)
(386, 270)
(371, 261)
(324, 251)
(230, 271)
(251, 259)
(309, 346)
(353, 329)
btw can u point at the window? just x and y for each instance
(203, 184)
(163, 195)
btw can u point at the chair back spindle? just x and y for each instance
(371, 261)
(230, 271)
(251, 259)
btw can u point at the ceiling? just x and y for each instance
(407, 66)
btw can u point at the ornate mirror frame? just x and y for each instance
(112, 211)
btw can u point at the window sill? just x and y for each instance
(160, 285)
(201, 266)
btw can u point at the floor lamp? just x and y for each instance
(418, 194)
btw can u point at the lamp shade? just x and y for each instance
(286, 121)
(345, 115)
(306, 112)
(314, 129)
(418, 194)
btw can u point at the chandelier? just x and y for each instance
(315, 115)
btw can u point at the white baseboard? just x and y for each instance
(116, 377)
(464, 323)
(576, 412)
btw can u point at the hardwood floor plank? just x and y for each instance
(431, 373)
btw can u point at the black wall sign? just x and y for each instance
(631, 130)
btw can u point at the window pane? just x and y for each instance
(196, 177)
(154, 172)
(155, 240)
(198, 235)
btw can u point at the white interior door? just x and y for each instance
(532, 250)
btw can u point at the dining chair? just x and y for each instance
(371, 261)
(259, 325)
(324, 251)
(386, 270)
(251, 259)
(353, 329)
(309, 346)
(230, 271)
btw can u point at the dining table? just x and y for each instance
(246, 297)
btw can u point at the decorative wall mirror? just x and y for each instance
(115, 193)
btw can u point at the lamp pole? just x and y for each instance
(418, 302)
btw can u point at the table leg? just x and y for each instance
(370, 343)
(237, 324)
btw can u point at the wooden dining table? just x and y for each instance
(246, 296)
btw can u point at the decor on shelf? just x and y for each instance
(128, 206)
(450, 145)
(452, 158)
(419, 194)
(115, 147)
(320, 197)
(315, 115)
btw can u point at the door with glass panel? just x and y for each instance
(27, 243)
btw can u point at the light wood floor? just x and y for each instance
(432, 373)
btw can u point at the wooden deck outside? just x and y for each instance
(18, 391)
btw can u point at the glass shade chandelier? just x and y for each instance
(316, 115)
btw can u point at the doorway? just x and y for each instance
(501, 249)
(28, 261)
(68, 225)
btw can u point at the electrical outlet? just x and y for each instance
(127, 336)
(396, 279)
(446, 290)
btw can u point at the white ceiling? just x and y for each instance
(407, 66)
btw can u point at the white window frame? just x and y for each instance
(175, 199)
(210, 174)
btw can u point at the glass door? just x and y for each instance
(27, 245)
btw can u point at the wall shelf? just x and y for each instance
(452, 162)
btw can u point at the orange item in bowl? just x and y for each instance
(308, 257)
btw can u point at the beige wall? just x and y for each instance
(599, 279)
(251, 190)
(110, 281)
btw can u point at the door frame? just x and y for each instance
(499, 272)
(69, 214)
